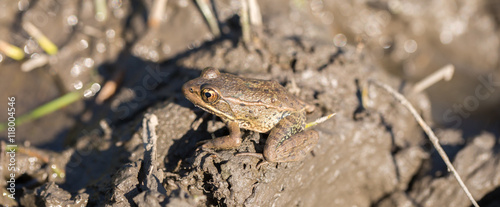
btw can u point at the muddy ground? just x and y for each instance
(371, 153)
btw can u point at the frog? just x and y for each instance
(263, 106)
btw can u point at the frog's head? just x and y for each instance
(204, 92)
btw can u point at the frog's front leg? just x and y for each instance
(230, 141)
(288, 141)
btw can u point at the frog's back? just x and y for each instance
(267, 93)
(259, 105)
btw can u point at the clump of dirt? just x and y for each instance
(50, 194)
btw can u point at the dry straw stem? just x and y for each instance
(156, 13)
(319, 120)
(445, 73)
(254, 10)
(209, 16)
(429, 132)
(11, 50)
(35, 62)
(44, 42)
(245, 22)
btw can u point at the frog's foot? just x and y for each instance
(225, 142)
(230, 141)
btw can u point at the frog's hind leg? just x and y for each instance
(288, 141)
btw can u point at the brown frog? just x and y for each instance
(258, 105)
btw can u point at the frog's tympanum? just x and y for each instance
(258, 105)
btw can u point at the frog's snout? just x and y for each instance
(187, 89)
(190, 91)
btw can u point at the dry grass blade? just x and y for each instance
(445, 73)
(430, 133)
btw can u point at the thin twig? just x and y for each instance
(445, 73)
(430, 133)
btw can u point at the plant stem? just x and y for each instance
(46, 108)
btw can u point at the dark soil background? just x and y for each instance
(372, 153)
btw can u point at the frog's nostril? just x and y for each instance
(191, 89)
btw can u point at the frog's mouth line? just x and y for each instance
(212, 110)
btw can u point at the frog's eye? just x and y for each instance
(209, 95)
